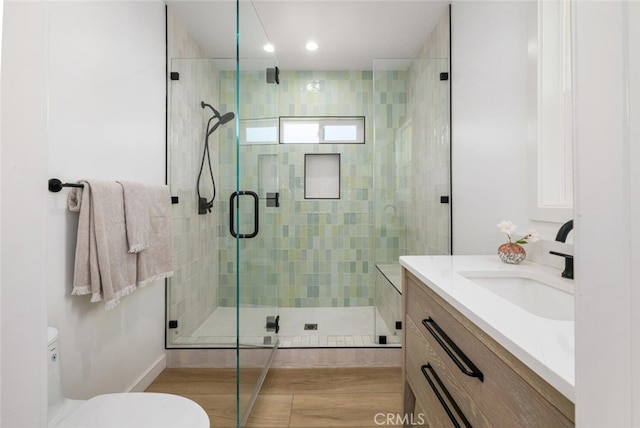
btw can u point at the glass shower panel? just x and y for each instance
(411, 174)
(198, 314)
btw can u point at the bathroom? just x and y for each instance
(85, 128)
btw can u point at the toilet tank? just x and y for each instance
(54, 373)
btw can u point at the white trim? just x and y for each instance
(541, 210)
(149, 376)
(607, 204)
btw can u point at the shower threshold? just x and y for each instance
(334, 327)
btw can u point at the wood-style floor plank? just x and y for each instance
(334, 380)
(342, 410)
(271, 410)
(295, 398)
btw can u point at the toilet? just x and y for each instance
(120, 410)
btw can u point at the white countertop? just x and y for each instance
(544, 345)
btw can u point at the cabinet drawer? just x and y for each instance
(427, 374)
(503, 396)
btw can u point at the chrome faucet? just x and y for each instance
(561, 236)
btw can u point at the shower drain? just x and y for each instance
(311, 326)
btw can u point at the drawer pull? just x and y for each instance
(441, 399)
(452, 350)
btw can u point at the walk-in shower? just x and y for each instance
(331, 215)
(326, 269)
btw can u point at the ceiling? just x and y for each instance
(350, 34)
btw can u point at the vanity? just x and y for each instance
(486, 343)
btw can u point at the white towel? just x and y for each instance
(103, 265)
(136, 213)
(156, 262)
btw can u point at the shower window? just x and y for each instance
(322, 130)
(259, 131)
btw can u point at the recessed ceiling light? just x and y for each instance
(269, 47)
(311, 46)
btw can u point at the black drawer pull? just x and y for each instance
(452, 350)
(442, 400)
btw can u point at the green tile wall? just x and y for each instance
(311, 252)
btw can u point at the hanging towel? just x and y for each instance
(136, 213)
(156, 262)
(103, 265)
(86, 276)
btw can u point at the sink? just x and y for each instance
(541, 295)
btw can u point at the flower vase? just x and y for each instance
(511, 253)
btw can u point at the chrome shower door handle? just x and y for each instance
(232, 214)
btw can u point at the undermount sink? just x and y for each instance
(538, 294)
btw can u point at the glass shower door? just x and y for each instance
(253, 218)
(254, 209)
(223, 296)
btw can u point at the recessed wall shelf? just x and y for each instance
(322, 176)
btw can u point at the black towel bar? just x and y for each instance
(56, 185)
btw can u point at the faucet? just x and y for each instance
(561, 236)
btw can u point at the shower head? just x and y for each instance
(227, 117)
(221, 121)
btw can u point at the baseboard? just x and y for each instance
(146, 379)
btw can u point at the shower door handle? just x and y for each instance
(232, 214)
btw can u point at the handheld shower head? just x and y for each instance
(205, 205)
(227, 117)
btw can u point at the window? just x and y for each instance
(259, 131)
(322, 130)
(553, 182)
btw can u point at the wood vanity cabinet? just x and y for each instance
(454, 374)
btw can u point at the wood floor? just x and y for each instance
(299, 398)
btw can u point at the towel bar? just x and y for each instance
(56, 185)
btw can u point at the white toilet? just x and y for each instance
(124, 410)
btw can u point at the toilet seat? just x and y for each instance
(136, 410)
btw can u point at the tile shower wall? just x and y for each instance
(323, 247)
(391, 161)
(194, 286)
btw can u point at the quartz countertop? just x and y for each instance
(545, 345)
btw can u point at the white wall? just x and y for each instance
(1, 10)
(106, 103)
(489, 117)
(82, 96)
(608, 214)
(24, 216)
